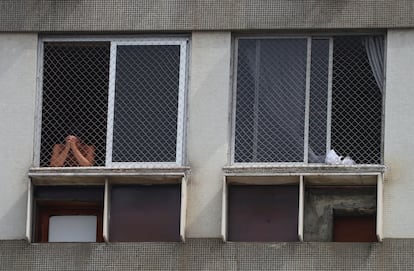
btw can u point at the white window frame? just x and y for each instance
(114, 42)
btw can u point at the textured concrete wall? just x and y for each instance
(320, 204)
(399, 130)
(188, 15)
(208, 254)
(17, 106)
(208, 130)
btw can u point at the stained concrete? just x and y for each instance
(321, 202)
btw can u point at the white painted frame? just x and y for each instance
(181, 103)
(224, 210)
(29, 215)
(183, 210)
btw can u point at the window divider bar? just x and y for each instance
(380, 199)
(183, 209)
(307, 100)
(39, 106)
(105, 222)
(224, 210)
(234, 104)
(256, 101)
(301, 208)
(181, 103)
(29, 216)
(329, 100)
(111, 104)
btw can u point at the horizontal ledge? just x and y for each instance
(302, 170)
(98, 175)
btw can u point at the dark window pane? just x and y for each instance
(146, 103)
(318, 103)
(145, 213)
(356, 103)
(270, 106)
(75, 97)
(263, 213)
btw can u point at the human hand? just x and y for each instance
(72, 141)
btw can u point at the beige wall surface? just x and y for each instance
(208, 130)
(18, 54)
(399, 131)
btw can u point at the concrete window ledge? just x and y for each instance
(91, 175)
(295, 169)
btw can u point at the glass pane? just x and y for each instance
(270, 105)
(76, 228)
(75, 100)
(263, 213)
(142, 213)
(356, 103)
(146, 103)
(318, 100)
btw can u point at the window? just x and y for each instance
(297, 98)
(145, 213)
(119, 210)
(271, 206)
(263, 213)
(121, 100)
(68, 213)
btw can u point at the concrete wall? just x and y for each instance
(399, 131)
(17, 106)
(208, 255)
(189, 15)
(321, 202)
(208, 130)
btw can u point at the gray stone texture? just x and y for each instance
(208, 254)
(192, 15)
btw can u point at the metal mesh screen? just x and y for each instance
(76, 86)
(75, 91)
(146, 103)
(270, 103)
(356, 103)
(318, 103)
(271, 113)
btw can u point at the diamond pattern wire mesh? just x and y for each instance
(356, 103)
(318, 100)
(75, 91)
(146, 103)
(270, 102)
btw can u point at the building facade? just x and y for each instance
(201, 132)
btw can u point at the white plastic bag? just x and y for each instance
(332, 158)
(348, 161)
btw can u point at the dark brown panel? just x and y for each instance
(355, 229)
(263, 213)
(69, 192)
(145, 213)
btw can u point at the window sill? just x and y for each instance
(98, 175)
(300, 169)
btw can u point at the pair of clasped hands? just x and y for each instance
(72, 153)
